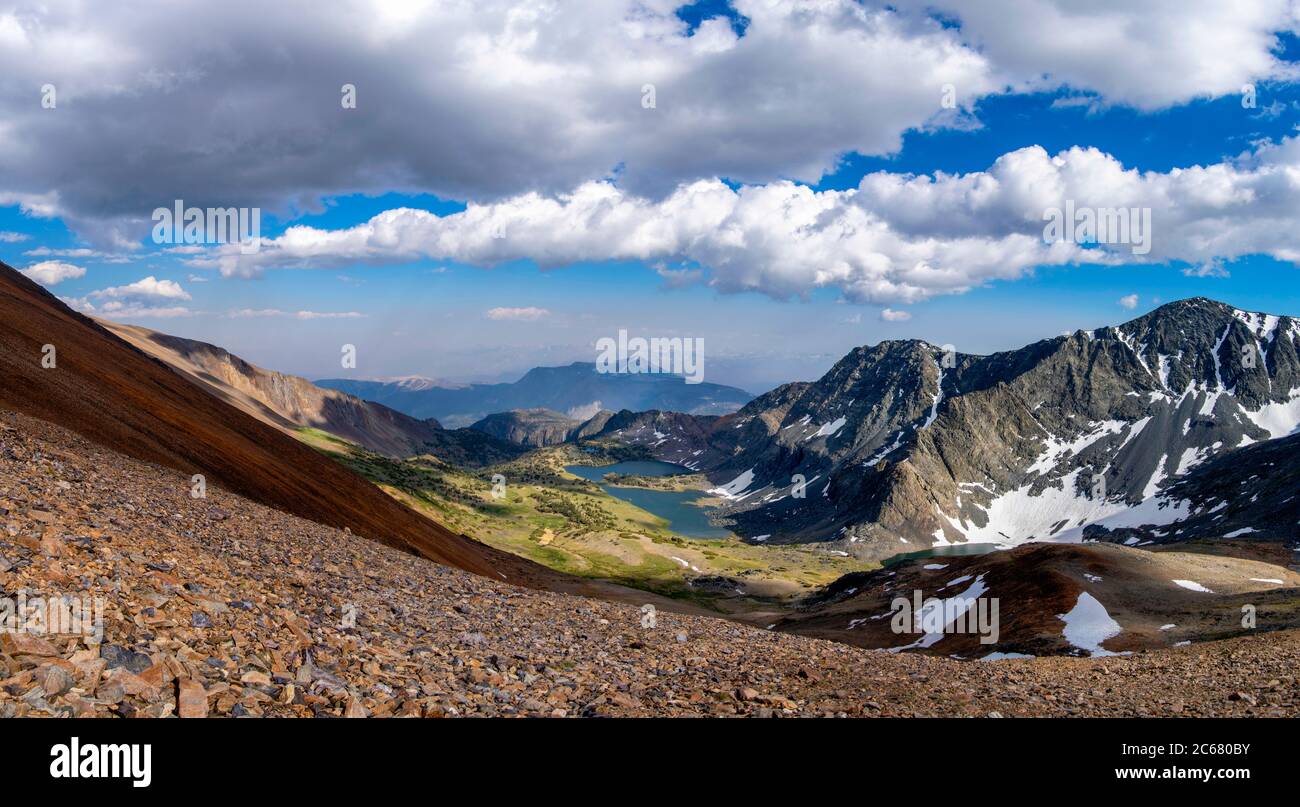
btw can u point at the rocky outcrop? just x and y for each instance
(532, 428)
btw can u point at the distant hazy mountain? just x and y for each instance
(575, 391)
(901, 447)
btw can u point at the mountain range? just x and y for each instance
(575, 391)
(902, 446)
(1125, 434)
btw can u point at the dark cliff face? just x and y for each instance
(1247, 493)
(902, 445)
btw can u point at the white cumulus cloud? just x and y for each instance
(495, 99)
(52, 273)
(896, 238)
(146, 288)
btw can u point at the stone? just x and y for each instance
(25, 644)
(355, 709)
(117, 656)
(256, 678)
(54, 679)
(191, 698)
(53, 545)
(133, 684)
(111, 691)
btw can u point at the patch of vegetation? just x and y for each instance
(675, 482)
(583, 515)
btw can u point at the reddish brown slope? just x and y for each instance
(117, 396)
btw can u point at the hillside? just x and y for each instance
(119, 397)
(1251, 493)
(293, 404)
(287, 401)
(1133, 599)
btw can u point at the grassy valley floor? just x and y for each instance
(554, 518)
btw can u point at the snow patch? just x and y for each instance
(938, 398)
(1278, 418)
(1088, 624)
(737, 486)
(934, 611)
(829, 429)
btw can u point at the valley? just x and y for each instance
(695, 508)
(552, 512)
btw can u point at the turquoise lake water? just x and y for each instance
(679, 509)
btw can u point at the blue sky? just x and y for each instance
(431, 315)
